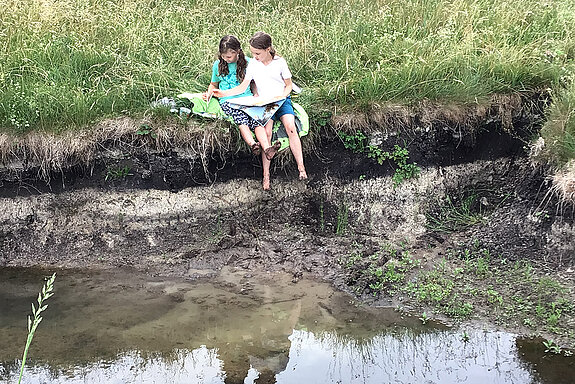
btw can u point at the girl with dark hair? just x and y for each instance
(228, 72)
(272, 77)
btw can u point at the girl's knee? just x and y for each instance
(291, 131)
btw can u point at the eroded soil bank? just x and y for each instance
(161, 212)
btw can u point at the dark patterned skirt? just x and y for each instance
(239, 116)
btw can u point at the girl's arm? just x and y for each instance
(213, 85)
(233, 91)
(288, 88)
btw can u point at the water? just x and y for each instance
(121, 327)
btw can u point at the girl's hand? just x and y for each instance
(206, 95)
(219, 93)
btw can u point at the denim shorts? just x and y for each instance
(285, 109)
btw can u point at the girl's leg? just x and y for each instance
(288, 121)
(264, 136)
(249, 139)
(267, 133)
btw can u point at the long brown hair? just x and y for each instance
(227, 43)
(261, 40)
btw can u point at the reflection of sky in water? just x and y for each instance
(198, 366)
(401, 357)
(439, 357)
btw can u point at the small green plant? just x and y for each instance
(352, 259)
(551, 347)
(322, 118)
(321, 217)
(465, 337)
(217, 232)
(528, 322)
(481, 266)
(459, 310)
(33, 322)
(342, 219)
(146, 130)
(381, 272)
(424, 318)
(494, 297)
(116, 173)
(399, 155)
(355, 142)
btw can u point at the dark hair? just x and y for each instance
(261, 40)
(227, 43)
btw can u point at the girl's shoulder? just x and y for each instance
(279, 60)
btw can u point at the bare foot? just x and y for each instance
(302, 173)
(271, 151)
(266, 183)
(256, 148)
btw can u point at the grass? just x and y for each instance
(557, 146)
(33, 322)
(467, 283)
(382, 272)
(70, 63)
(455, 214)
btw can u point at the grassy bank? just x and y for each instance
(469, 283)
(69, 63)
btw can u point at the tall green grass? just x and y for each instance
(68, 63)
(558, 130)
(34, 321)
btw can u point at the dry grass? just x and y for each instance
(48, 152)
(563, 185)
(427, 114)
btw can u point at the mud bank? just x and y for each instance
(161, 212)
(293, 228)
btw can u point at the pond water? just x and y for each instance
(123, 327)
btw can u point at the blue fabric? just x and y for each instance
(229, 81)
(285, 109)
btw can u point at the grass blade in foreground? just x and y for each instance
(44, 295)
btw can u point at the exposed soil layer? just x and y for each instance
(163, 213)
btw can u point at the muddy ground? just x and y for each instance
(162, 213)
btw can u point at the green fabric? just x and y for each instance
(202, 108)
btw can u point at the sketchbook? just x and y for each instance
(255, 101)
(261, 113)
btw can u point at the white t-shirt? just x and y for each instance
(269, 78)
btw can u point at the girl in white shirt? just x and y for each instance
(273, 79)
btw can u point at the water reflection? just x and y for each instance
(125, 328)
